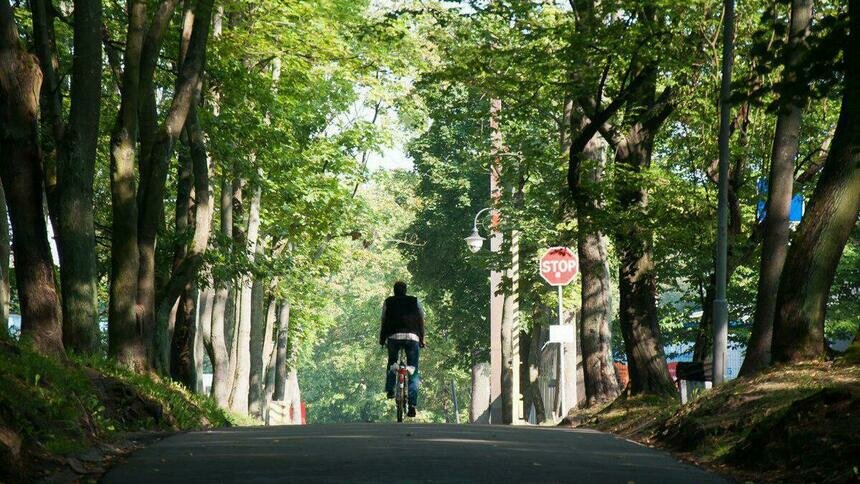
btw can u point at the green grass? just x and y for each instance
(63, 407)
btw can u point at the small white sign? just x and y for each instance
(561, 333)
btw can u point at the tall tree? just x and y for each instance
(637, 276)
(137, 213)
(241, 384)
(221, 383)
(281, 351)
(5, 248)
(126, 339)
(832, 213)
(21, 173)
(780, 188)
(70, 151)
(596, 307)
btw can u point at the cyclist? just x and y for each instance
(402, 327)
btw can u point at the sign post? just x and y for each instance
(558, 267)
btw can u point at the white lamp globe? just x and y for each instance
(474, 241)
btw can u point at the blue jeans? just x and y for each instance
(412, 350)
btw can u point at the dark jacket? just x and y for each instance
(401, 315)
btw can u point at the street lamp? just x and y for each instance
(474, 241)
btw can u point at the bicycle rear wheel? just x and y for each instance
(401, 399)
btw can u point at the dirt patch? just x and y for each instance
(815, 437)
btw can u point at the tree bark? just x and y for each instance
(76, 175)
(154, 167)
(637, 277)
(780, 187)
(531, 374)
(127, 341)
(596, 308)
(51, 101)
(207, 302)
(241, 386)
(182, 348)
(220, 348)
(256, 350)
(832, 212)
(171, 345)
(21, 173)
(234, 303)
(187, 267)
(268, 359)
(5, 249)
(281, 351)
(508, 397)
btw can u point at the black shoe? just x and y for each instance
(389, 395)
(411, 412)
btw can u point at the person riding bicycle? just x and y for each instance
(402, 327)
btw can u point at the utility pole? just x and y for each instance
(721, 316)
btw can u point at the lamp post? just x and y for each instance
(721, 316)
(475, 243)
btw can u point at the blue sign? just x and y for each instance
(795, 212)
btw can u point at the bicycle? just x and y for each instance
(401, 389)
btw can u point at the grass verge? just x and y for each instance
(52, 412)
(792, 423)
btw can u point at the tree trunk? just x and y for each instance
(281, 351)
(171, 348)
(832, 212)
(637, 277)
(127, 341)
(293, 393)
(69, 163)
(207, 302)
(241, 386)
(531, 374)
(51, 101)
(256, 347)
(268, 363)
(182, 346)
(269, 387)
(479, 410)
(596, 309)
(508, 397)
(5, 249)
(186, 267)
(220, 347)
(20, 170)
(154, 168)
(780, 187)
(703, 345)
(198, 345)
(234, 303)
(76, 175)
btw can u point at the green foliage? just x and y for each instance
(343, 367)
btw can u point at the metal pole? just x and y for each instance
(561, 379)
(721, 317)
(456, 407)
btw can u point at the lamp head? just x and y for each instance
(474, 241)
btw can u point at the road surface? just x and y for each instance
(402, 453)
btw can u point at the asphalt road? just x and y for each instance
(402, 453)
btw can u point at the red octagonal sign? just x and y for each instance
(559, 266)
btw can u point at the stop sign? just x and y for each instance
(559, 266)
